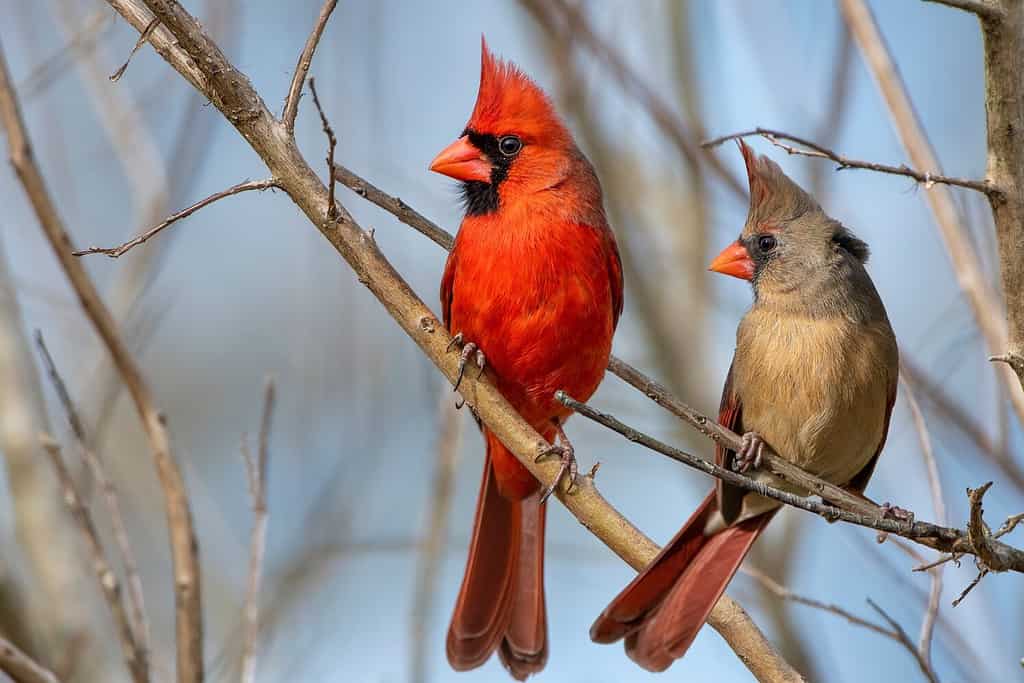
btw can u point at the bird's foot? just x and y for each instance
(751, 453)
(567, 456)
(469, 350)
(890, 511)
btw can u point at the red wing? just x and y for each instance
(448, 290)
(730, 414)
(860, 480)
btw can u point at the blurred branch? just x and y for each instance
(21, 667)
(138, 620)
(817, 151)
(431, 550)
(632, 84)
(838, 101)
(115, 252)
(231, 92)
(291, 105)
(51, 68)
(256, 471)
(135, 657)
(184, 546)
(1005, 100)
(904, 639)
(995, 554)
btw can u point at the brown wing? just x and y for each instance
(860, 480)
(615, 276)
(730, 414)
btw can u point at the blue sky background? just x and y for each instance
(249, 288)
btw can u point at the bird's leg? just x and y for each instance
(890, 511)
(750, 454)
(469, 349)
(567, 455)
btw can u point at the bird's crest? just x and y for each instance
(774, 197)
(509, 101)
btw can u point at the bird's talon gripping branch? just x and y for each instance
(890, 511)
(751, 454)
(567, 455)
(469, 349)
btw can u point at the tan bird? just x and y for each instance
(813, 375)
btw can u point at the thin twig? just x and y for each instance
(332, 142)
(115, 252)
(816, 151)
(184, 546)
(431, 550)
(291, 104)
(139, 620)
(977, 579)
(256, 472)
(135, 659)
(983, 8)
(931, 614)
(143, 37)
(21, 667)
(904, 639)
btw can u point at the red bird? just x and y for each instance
(813, 375)
(533, 290)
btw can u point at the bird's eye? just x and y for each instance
(766, 244)
(510, 145)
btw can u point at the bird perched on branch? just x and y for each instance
(532, 291)
(813, 375)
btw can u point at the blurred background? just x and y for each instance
(373, 475)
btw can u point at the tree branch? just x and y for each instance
(904, 639)
(816, 151)
(21, 667)
(231, 92)
(115, 252)
(184, 547)
(291, 105)
(985, 9)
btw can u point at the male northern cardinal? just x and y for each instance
(533, 291)
(813, 375)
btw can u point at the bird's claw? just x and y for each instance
(469, 349)
(567, 456)
(890, 511)
(751, 454)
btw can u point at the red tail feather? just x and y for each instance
(501, 602)
(661, 611)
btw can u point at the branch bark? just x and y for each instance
(21, 667)
(190, 51)
(184, 547)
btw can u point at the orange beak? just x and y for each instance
(462, 161)
(734, 260)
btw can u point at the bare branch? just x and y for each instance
(143, 37)
(332, 142)
(291, 104)
(138, 619)
(184, 547)
(986, 9)
(257, 476)
(21, 667)
(924, 533)
(816, 151)
(134, 657)
(985, 303)
(904, 639)
(231, 92)
(115, 252)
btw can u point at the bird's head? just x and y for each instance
(514, 143)
(788, 240)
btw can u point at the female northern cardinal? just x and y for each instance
(533, 290)
(813, 375)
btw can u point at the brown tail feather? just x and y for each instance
(524, 650)
(501, 601)
(662, 610)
